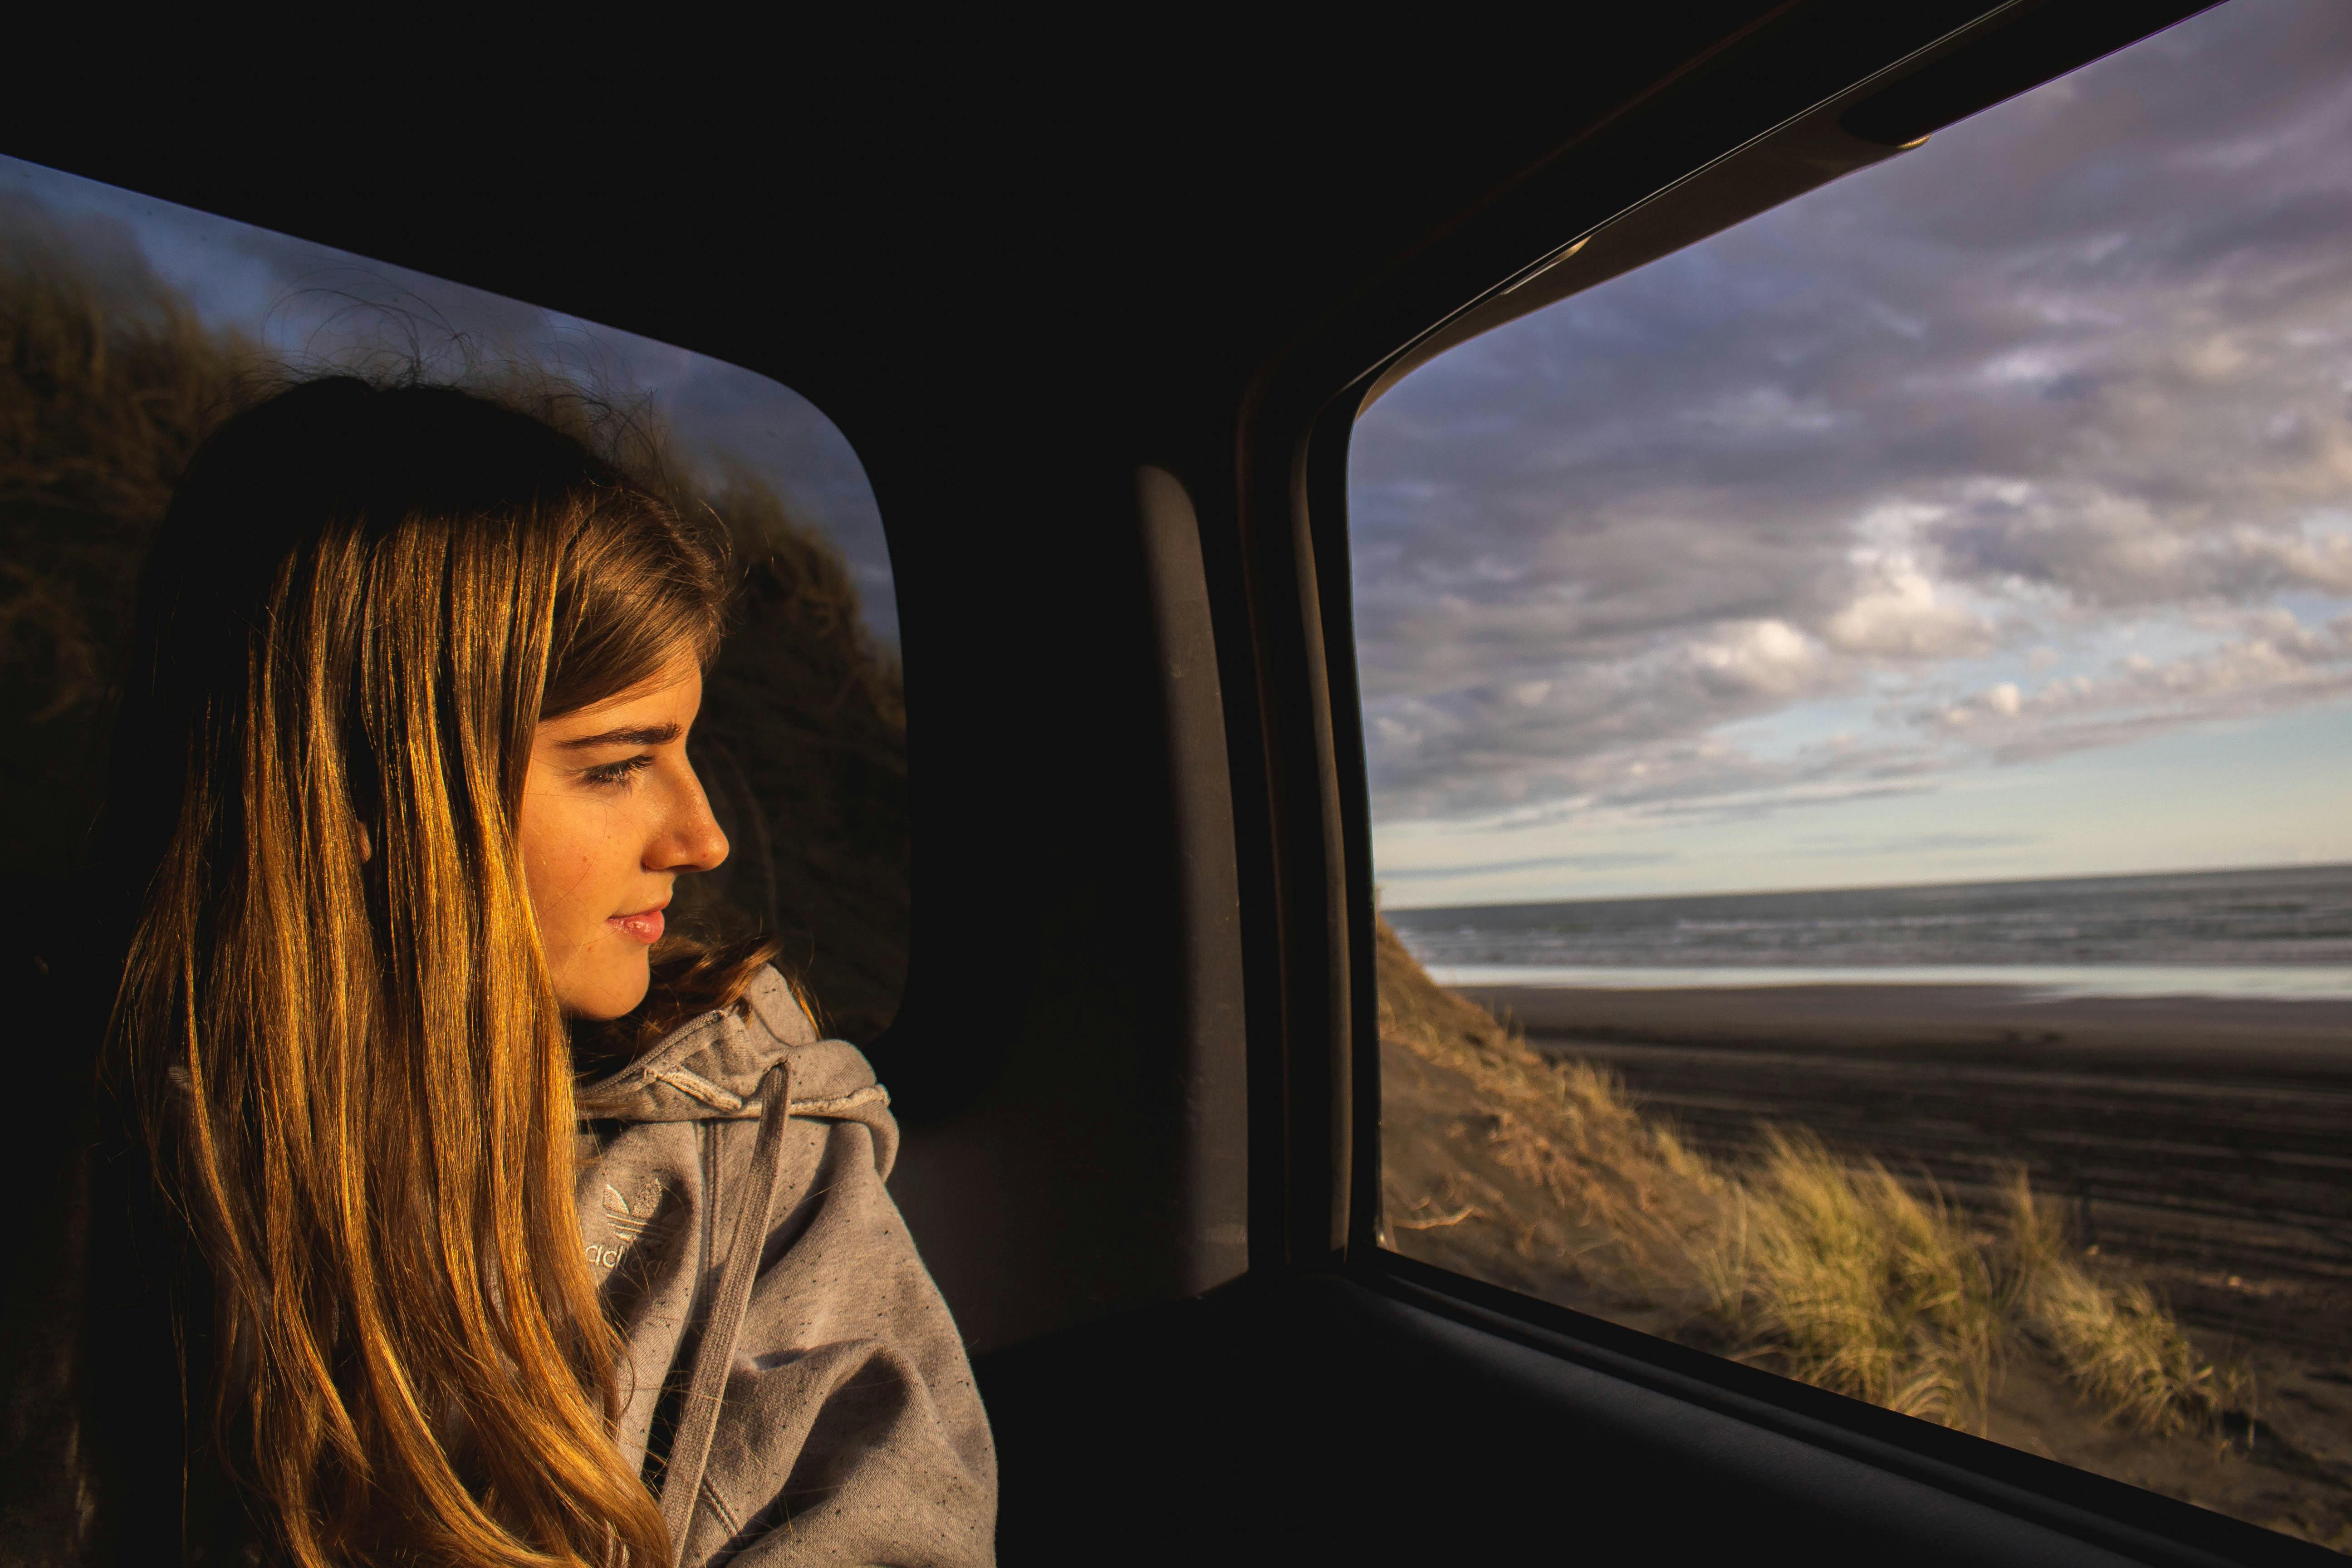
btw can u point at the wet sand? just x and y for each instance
(2009, 1021)
(2207, 1141)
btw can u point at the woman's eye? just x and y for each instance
(618, 772)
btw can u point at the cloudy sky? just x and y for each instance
(326, 308)
(1987, 513)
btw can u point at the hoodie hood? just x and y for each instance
(709, 1070)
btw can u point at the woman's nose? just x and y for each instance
(695, 841)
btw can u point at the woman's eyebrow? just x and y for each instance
(647, 735)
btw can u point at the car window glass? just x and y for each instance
(133, 325)
(1858, 716)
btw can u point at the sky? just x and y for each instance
(326, 309)
(1984, 514)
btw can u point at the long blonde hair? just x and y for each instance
(355, 1081)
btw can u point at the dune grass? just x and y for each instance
(1847, 1277)
(1827, 1268)
(1569, 1129)
(2118, 1344)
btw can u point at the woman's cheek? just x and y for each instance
(559, 863)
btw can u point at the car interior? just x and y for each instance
(1098, 325)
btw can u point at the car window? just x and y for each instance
(1858, 718)
(133, 325)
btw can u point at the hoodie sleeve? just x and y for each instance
(850, 1429)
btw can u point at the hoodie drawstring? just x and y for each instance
(690, 1448)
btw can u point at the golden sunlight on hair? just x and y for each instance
(360, 604)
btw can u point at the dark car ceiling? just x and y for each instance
(860, 215)
(925, 212)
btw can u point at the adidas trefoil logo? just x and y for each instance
(626, 1219)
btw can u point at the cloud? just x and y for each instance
(2279, 664)
(2109, 550)
(1767, 656)
(1898, 613)
(1617, 730)
(1607, 862)
(1908, 844)
(2081, 359)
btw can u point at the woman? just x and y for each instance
(493, 1232)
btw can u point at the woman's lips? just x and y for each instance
(646, 926)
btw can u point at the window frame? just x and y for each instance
(1302, 794)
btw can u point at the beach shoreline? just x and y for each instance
(2232, 1034)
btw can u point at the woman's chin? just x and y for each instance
(616, 989)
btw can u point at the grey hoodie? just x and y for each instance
(841, 1424)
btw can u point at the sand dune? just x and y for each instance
(2202, 1149)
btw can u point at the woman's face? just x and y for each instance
(610, 814)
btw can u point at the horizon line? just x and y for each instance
(1379, 907)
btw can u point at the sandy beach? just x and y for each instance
(2208, 1141)
(2012, 1022)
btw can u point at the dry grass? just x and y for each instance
(2116, 1341)
(107, 384)
(1831, 1269)
(1571, 1129)
(107, 379)
(1844, 1276)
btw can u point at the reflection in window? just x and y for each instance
(1858, 715)
(131, 326)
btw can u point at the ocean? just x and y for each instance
(2282, 933)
